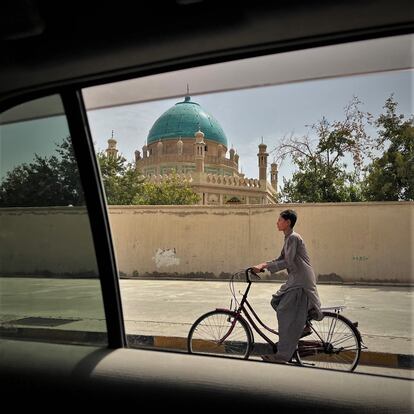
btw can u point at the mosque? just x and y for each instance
(187, 140)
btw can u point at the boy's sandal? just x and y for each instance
(272, 358)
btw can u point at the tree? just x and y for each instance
(54, 181)
(391, 175)
(122, 181)
(47, 181)
(171, 190)
(322, 174)
(124, 185)
(316, 182)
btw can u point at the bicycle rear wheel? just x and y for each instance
(334, 343)
(218, 333)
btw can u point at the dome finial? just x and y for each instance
(112, 139)
(262, 145)
(187, 95)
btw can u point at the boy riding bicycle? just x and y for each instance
(298, 298)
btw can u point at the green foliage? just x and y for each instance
(390, 177)
(321, 174)
(124, 185)
(47, 181)
(318, 183)
(122, 181)
(172, 190)
(54, 181)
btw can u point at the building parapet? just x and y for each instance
(216, 179)
(157, 178)
(231, 180)
(190, 158)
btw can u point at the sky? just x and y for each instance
(247, 116)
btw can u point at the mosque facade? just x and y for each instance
(189, 142)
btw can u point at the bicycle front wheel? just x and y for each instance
(220, 333)
(333, 344)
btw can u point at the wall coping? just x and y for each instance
(261, 206)
(211, 207)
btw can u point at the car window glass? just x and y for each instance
(49, 283)
(197, 164)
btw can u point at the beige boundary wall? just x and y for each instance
(371, 242)
(349, 242)
(48, 240)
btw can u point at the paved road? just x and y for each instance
(170, 307)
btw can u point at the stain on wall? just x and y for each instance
(166, 258)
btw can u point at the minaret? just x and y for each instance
(111, 151)
(199, 151)
(144, 151)
(236, 158)
(232, 152)
(262, 156)
(137, 156)
(273, 175)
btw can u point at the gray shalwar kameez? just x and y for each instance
(297, 298)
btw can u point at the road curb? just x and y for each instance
(368, 358)
(382, 359)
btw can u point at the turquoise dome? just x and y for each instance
(184, 119)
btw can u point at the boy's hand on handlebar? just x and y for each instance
(259, 267)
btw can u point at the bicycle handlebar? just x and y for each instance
(250, 269)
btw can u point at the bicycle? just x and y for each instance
(332, 343)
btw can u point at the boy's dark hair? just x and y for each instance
(290, 215)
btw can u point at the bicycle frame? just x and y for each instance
(245, 307)
(242, 310)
